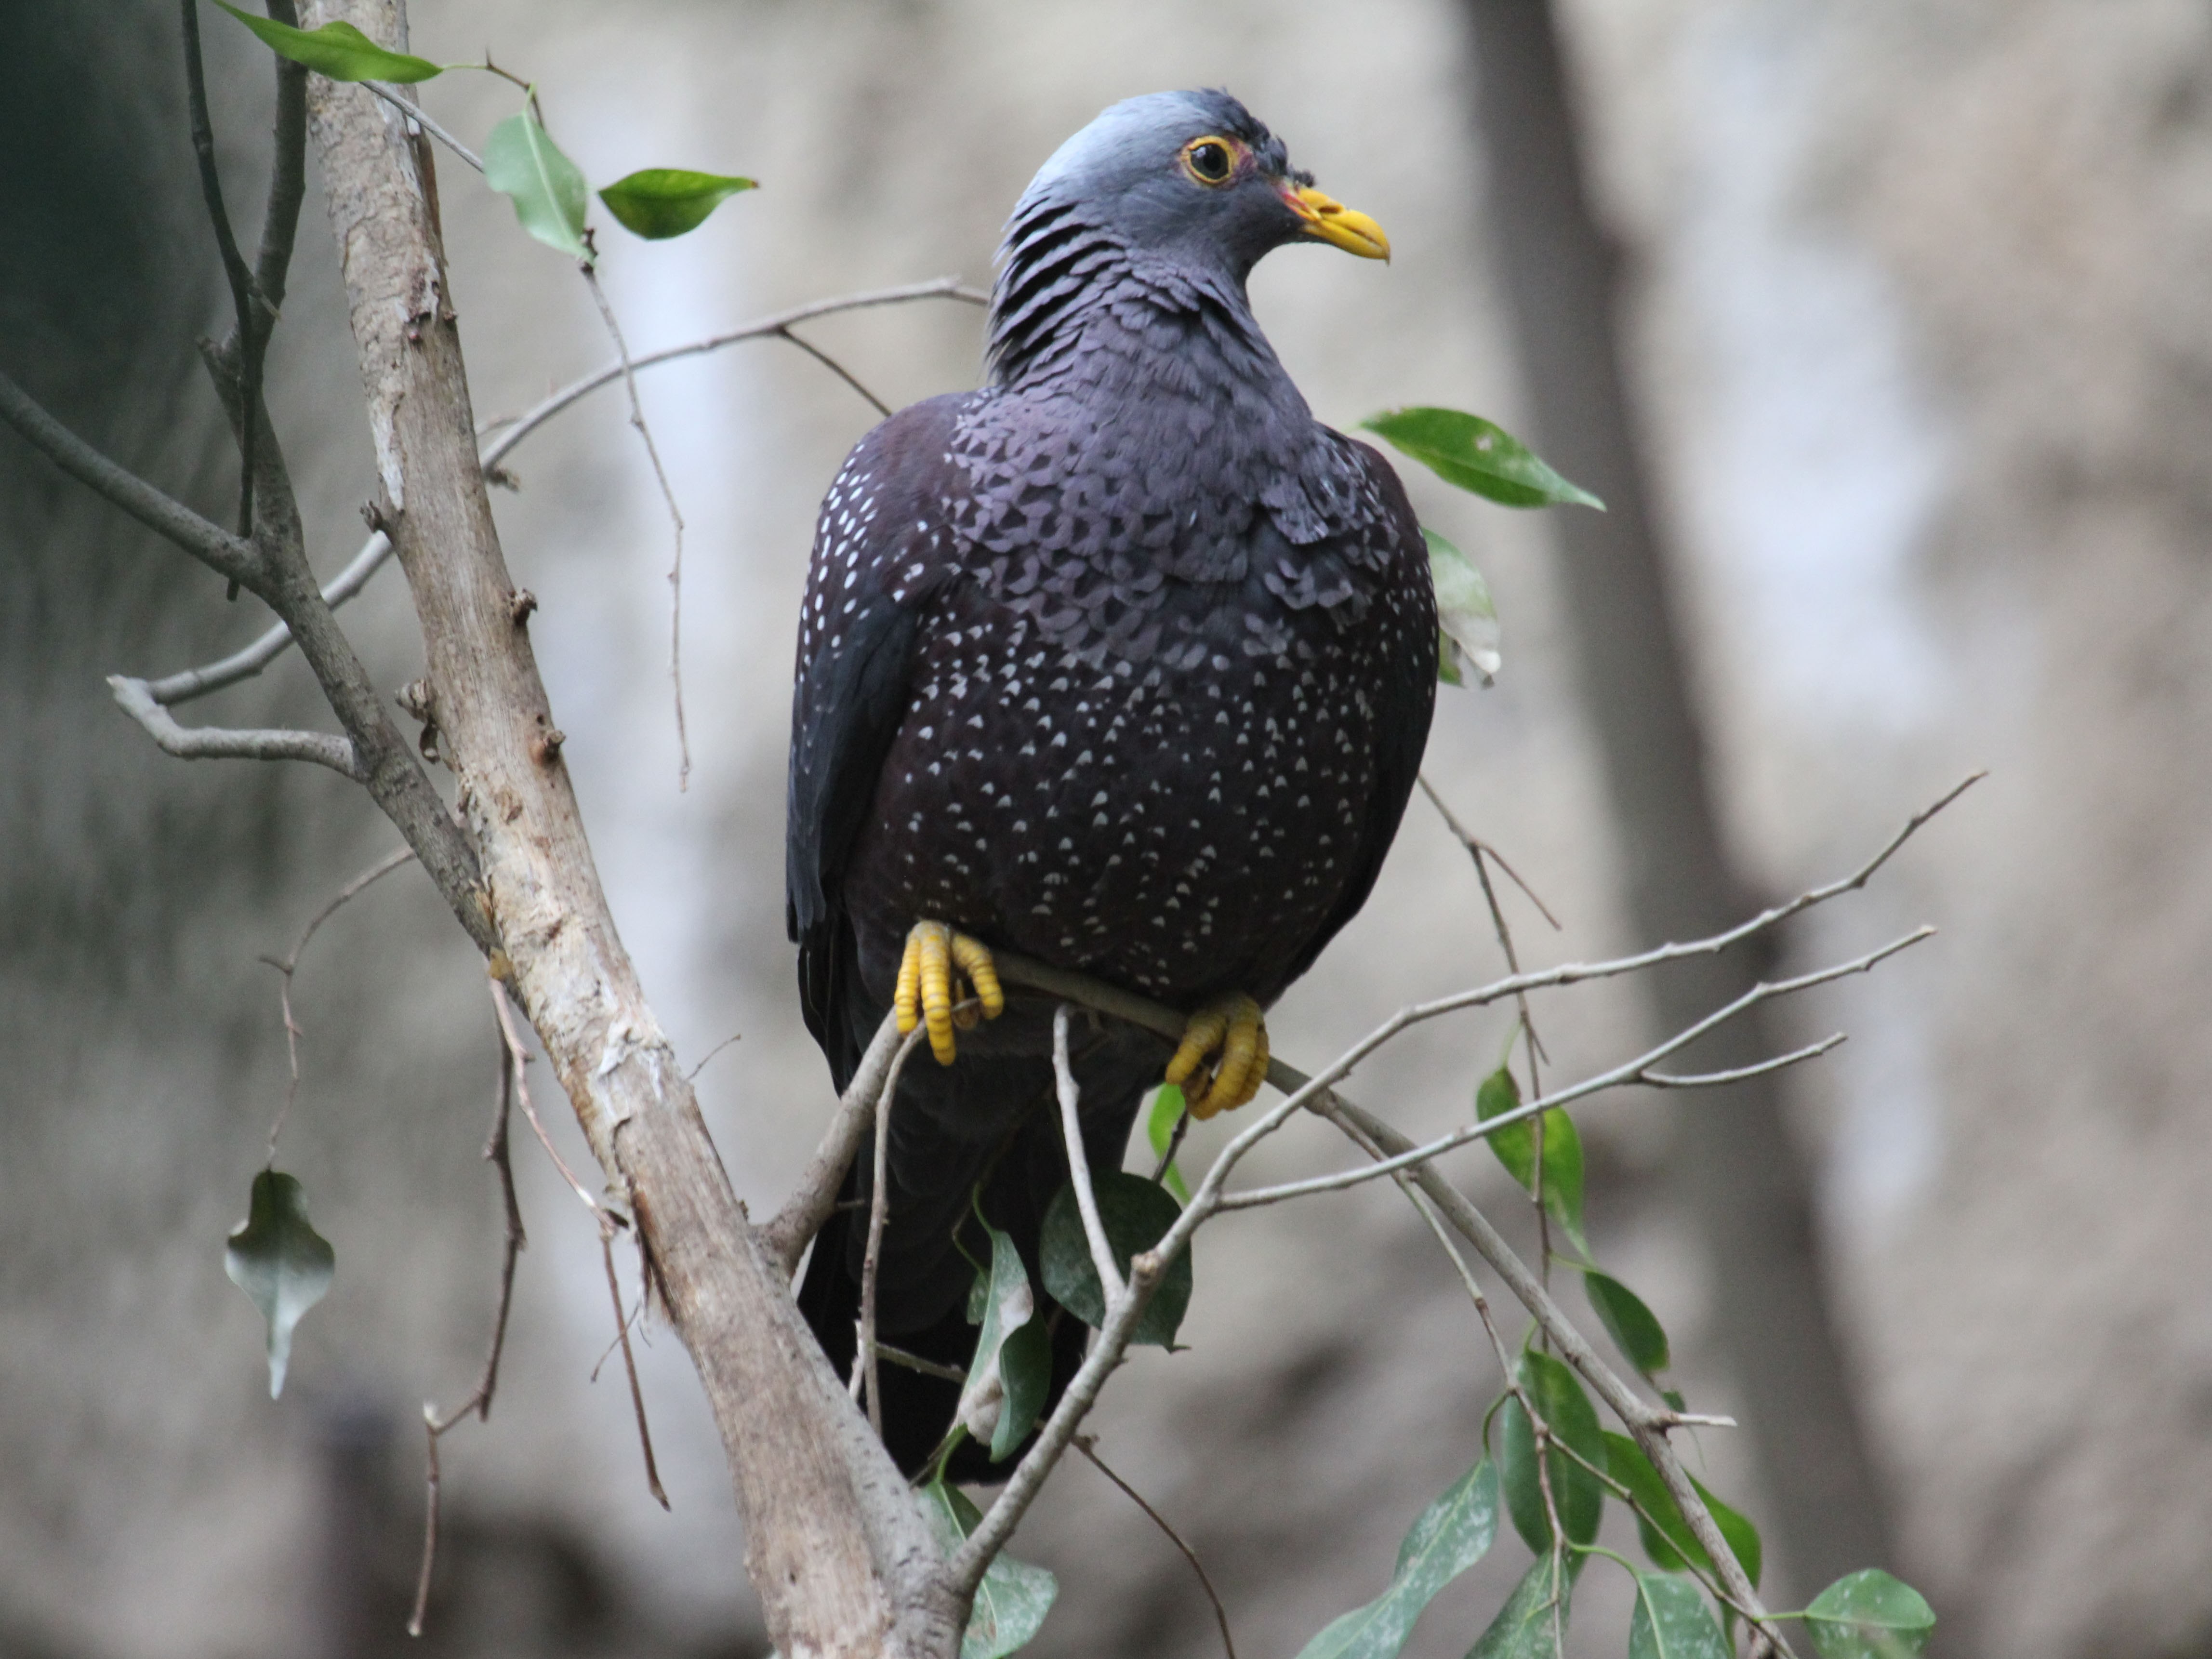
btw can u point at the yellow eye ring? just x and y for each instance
(1212, 160)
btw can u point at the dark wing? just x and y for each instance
(879, 550)
(1407, 697)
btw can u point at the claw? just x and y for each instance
(1236, 1027)
(941, 972)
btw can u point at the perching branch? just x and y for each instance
(1628, 1072)
(1649, 1424)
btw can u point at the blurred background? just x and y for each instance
(1884, 327)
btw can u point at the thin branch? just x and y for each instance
(1087, 1445)
(630, 1359)
(914, 1362)
(288, 175)
(837, 369)
(1631, 1071)
(1737, 1074)
(1078, 1161)
(480, 1398)
(246, 300)
(191, 683)
(693, 1074)
(290, 966)
(1647, 1424)
(675, 519)
(413, 111)
(211, 543)
(941, 288)
(880, 1204)
(787, 1235)
(1478, 849)
(522, 1092)
(227, 742)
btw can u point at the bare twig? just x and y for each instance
(522, 1092)
(787, 1236)
(878, 1213)
(290, 966)
(211, 543)
(837, 369)
(1078, 1162)
(734, 1037)
(184, 686)
(1476, 850)
(288, 173)
(413, 111)
(629, 1361)
(1479, 848)
(327, 749)
(771, 327)
(480, 1398)
(914, 1362)
(1628, 1072)
(246, 297)
(191, 682)
(1087, 1445)
(675, 519)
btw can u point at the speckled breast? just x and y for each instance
(1181, 824)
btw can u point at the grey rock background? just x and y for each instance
(1922, 337)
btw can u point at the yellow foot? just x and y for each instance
(1235, 1027)
(941, 970)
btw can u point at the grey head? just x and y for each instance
(1172, 192)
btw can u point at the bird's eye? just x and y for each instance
(1209, 161)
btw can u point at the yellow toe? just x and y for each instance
(944, 980)
(1236, 1027)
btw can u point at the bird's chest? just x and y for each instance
(1180, 822)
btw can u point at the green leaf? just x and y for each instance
(279, 1261)
(1636, 1331)
(997, 1405)
(659, 203)
(1012, 1600)
(1535, 1617)
(1578, 1494)
(337, 51)
(1515, 1147)
(1450, 1535)
(522, 162)
(1869, 1615)
(1025, 1364)
(1135, 1214)
(1465, 616)
(1671, 1621)
(1167, 1110)
(1668, 1543)
(1468, 451)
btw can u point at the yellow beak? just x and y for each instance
(1329, 220)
